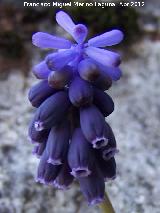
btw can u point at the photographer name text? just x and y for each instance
(83, 4)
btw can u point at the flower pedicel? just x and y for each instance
(71, 137)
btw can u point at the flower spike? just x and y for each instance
(69, 132)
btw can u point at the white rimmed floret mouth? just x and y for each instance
(39, 180)
(38, 126)
(37, 156)
(60, 186)
(80, 172)
(109, 153)
(99, 142)
(42, 181)
(96, 201)
(55, 162)
(110, 178)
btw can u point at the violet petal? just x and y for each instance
(80, 155)
(106, 39)
(93, 187)
(56, 61)
(45, 40)
(65, 21)
(41, 70)
(104, 57)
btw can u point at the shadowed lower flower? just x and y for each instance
(110, 149)
(64, 179)
(69, 132)
(39, 149)
(47, 172)
(80, 155)
(51, 111)
(58, 143)
(93, 126)
(93, 187)
(107, 166)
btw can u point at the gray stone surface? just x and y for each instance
(135, 121)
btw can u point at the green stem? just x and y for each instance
(106, 205)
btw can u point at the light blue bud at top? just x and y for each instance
(106, 39)
(64, 179)
(58, 143)
(93, 126)
(47, 172)
(52, 111)
(45, 40)
(78, 32)
(103, 82)
(59, 79)
(80, 92)
(103, 101)
(40, 92)
(80, 155)
(56, 61)
(104, 57)
(93, 187)
(88, 70)
(65, 21)
(41, 70)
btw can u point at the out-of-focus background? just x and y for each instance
(135, 121)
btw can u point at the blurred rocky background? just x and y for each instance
(135, 121)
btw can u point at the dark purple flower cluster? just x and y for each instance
(71, 137)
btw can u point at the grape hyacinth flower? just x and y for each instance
(69, 130)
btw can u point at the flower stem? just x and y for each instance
(106, 205)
